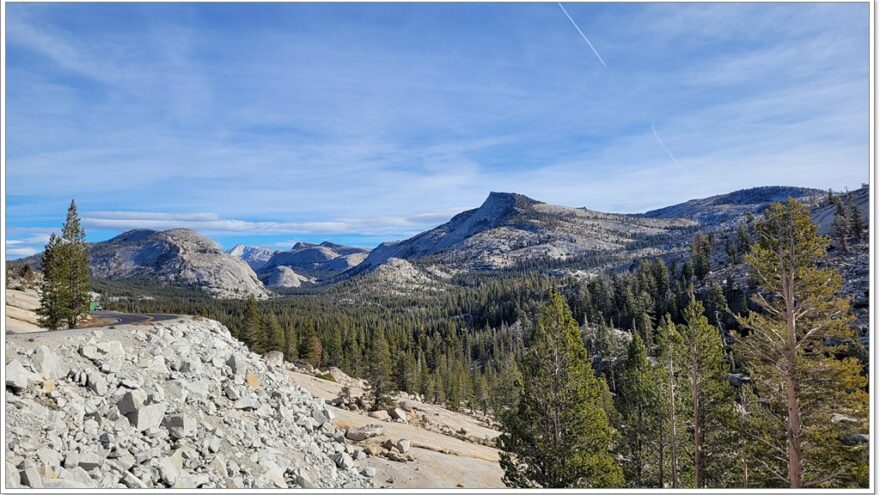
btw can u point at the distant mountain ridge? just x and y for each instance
(507, 230)
(256, 257)
(310, 263)
(724, 207)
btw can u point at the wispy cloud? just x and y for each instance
(584, 36)
(663, 145)
(283, 131)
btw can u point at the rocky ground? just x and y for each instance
(416, 445)
(169, 404)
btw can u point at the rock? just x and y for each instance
(96, 382)
(409, 405)
(179, 426)
(29, 476)
(343, 460)
(274, 358)
(403, 445)
(231, 392)
(381, 415)
(85, 460)
(148, 416)
(856, 439)
(399, 414)
(49, 365)
(132, 481)
(17, 377)
(368, 471)
(168, 471)
(837, 418)
(237, 364)
(191, 366)
(131, 402)
(13, 476)
(364, 432)
(252, 380)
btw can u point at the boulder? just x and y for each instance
(403, 445)
(368, 471)
(381, 415)
(237, 364)
(343, 460)
(399, 414)
(84, 460)
(179, 426)
(364, 432)
(148, 416)
(31, 477)
(274, 358)
(17, 377)
(131, 402)
(48, 364)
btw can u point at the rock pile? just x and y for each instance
(179, 404)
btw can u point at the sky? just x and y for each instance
(267, 124)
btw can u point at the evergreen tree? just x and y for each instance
(641, 408)
(252, 331)
(856, 224)
(53, 291)
(557, 436)
(273, 335)
(701, 354)
(65, 292)
(790, 354)
(379, 372)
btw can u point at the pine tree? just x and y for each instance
(66, 284)
(701, 354)
(791, 358)
(53, 292)
(273, 335)
(669, 342)
(856, 224)
(641, 408)
(252, 331)
(558, 436)
(379, 371)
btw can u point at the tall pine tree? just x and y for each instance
(790, 353)
(558, 435)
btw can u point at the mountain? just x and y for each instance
(311, 263)
(179, 257)
(716, 210)
(860, 198)
(509, 228)
(256, 257)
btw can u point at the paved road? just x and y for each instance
(129, 318)
(117, 317)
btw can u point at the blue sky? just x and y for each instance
(271, 123)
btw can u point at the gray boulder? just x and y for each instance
(17, 377)
(364, 432)
(48, 364)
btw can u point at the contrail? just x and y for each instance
(660, 140)
(584, 36)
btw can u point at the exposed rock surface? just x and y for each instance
(131, 408)
(256, 257)
(508, 229)
(312, 262)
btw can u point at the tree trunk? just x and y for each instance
(674, 439)
(698, 428)
(795, 449)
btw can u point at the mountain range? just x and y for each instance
(507, 230)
